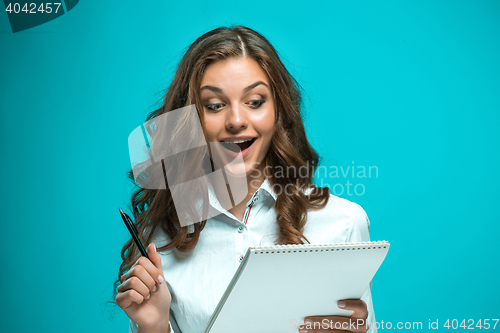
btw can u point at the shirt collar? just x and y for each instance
(265, 187)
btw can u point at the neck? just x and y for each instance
(221, 189)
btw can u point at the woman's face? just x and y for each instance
(238, 106)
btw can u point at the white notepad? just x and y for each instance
(277, 284)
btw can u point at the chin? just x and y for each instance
(248, 169)
(251, 166)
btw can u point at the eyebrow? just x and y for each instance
(219, 90)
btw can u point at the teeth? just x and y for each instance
(240, 141)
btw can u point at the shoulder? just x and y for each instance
(345, 215)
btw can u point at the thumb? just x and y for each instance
(155, 258)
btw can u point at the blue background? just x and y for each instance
(410, 87)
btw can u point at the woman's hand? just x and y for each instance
(355, 323)
(143, 294)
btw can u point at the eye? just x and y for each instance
(212, 107)
(258, 102)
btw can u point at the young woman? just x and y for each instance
(242, 92)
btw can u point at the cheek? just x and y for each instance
(267, 130)
(268, 125)
(211, 128)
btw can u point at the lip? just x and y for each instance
(244, 153)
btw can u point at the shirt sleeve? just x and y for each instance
(360, 226)
(360, 232)
(133, 327)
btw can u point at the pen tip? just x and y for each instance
(120, 209)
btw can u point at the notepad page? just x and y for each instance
(270, 291)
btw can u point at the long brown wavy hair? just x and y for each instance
(154, 210)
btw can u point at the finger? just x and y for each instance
(127, 274)
(143, 275)
(151, 269)
(134, 283)
(356, 305)
(126, 285)
(155, 259)
(124, 300)
(321, 330)
(151, 265)
(333, 324)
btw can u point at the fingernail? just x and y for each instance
(341, 304)
(308, 321)
(154, 288)
(154, 246)
(301, 330)
(160, 278)
(148, 296)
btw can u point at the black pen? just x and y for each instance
(133, 231)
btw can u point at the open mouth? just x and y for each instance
(237, 147)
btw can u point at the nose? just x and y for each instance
(236, 119)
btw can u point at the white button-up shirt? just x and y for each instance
(198, 279)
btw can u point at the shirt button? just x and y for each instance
(241, 258)
(240, 229)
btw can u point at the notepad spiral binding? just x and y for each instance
(291, 248)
